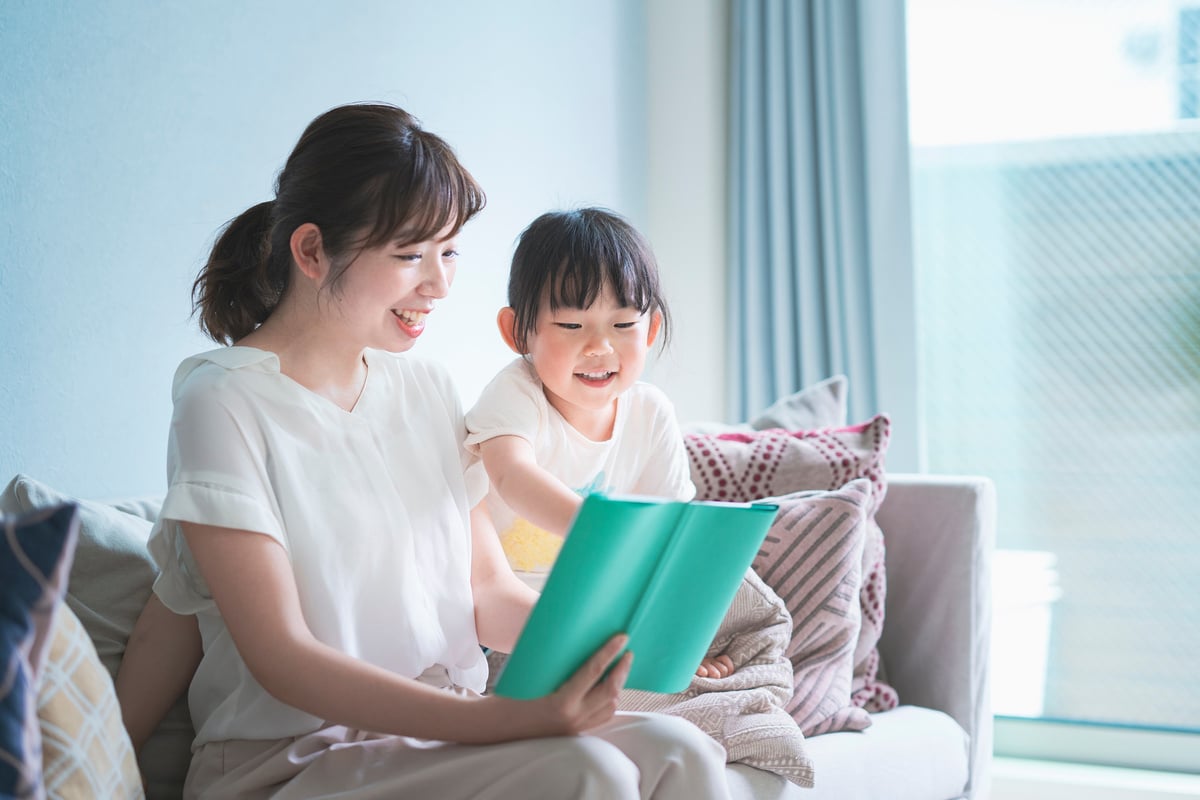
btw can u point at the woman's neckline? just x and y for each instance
(309, 391)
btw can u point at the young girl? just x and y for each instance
(569, 416)
(324, 523)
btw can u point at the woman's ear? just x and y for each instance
(308, 252)
(655, 325)
(506, 321)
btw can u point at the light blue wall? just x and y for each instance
(130, 131)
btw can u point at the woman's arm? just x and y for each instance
(251, 580)
(526, 487)
(159, 661)
(502, 600)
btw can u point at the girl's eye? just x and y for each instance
(625, 325)
(570, 326)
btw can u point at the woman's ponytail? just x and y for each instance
(241, 283)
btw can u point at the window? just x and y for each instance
(1056, 230)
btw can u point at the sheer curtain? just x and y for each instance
(820, 261)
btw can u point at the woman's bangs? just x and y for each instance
(418, 206)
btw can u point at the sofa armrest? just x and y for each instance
(939, 534)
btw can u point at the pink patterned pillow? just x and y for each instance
(812, 559)
(749, 466)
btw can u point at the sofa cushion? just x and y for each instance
(85, 750)
(110, 582)
(908, 753)
(812, 559)
(822, 405)
(742, 466)
(35, 556)
(112, 575)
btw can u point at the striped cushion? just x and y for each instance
(812, 558)
(35, 554)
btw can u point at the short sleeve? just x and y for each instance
(668, 472)
(512, 404)
(216, 465)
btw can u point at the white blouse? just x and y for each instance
(371, 505)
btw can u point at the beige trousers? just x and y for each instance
(633, 756)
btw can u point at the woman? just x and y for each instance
(323, 520)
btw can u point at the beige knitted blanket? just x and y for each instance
(745, 711)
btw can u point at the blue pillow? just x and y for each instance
(35, 556)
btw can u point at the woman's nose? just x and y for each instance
(436, 280)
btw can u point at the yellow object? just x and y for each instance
(528, 547)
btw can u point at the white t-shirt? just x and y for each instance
(371, 505)
(645, 454)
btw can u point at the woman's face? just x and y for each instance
(388, 291)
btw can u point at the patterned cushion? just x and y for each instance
(35, 555)
(812, 559)
(749, 466)
(85, 750)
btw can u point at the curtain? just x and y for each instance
(820, 261)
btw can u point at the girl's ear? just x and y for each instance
(506, 321)
(655, 325)
(308, 252)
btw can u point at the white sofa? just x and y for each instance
(937, 744)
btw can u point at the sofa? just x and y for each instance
(932, 645)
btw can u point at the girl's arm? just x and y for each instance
(527, 488)
(502, 600)
(251, 580)
(159, 661)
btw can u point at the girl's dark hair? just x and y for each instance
(365, 174)
(570, 256)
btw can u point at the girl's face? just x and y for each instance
(586, 358)
(388, 291)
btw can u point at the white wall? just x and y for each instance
(687, 63)
(129, 132)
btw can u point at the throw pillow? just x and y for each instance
(113, 572)
(35, 555)
(85, 750)
(812, 559)
(110, 582)
(742, 466)
(822, 405)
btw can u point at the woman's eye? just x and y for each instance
(410, 257)
(450, 255)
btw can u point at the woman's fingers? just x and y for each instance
(593, 669)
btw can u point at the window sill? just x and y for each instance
(1028, 779)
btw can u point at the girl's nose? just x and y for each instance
(597, 346)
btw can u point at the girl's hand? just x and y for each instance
(588, 698)
(719, 667)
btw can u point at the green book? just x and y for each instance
(663, 572)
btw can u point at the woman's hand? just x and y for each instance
(588, 699)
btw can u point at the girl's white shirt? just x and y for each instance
(371, 505)
(645, 454)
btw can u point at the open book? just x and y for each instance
(664, 572)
